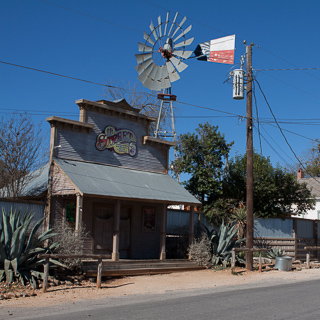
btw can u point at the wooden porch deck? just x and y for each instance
(138, 267)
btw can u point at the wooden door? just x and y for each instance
(103, 228)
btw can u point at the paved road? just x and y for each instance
(294, 301)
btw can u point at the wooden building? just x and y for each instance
(107, 173)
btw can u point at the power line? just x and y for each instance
(57, 74)
(265, 98)
(212, 109)
(288, 69)
(275, 151)
(115, 87)
(306, 92)
(297, 134)
(90, 16)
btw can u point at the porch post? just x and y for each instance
(116, 232)
(191, 226)
(163, 232)
(79, 204)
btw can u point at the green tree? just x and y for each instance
(202, 155)
(276, 192)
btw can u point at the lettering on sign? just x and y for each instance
(120, 141)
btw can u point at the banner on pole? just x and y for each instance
(219, 50)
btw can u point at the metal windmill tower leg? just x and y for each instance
(167, 101)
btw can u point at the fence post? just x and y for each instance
(233, 259)
(45, 275)
(260, 262)
(308, 259)
(295, 238)
(315, 236)
(99, 273)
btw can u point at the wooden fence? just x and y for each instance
(291, 235)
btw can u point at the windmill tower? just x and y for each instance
(160, 63)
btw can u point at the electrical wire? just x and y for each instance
(57, 74)
(90, 16)
(297, 134)
(288, 69)
(306, 92)
(265, 98)
(275, 151)
(256, 105)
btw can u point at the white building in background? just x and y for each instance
(314, 185)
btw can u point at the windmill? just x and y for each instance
(160, 62)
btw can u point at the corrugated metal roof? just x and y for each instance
(104, 180)
(313, 185)
(39, 184)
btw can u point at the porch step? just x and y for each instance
(138, 267)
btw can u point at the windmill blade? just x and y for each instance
(179, 65)
(148, 38)
(183, 33)
(165, 82)
(184, 43)
(142, 57)
(182, 54)
(144, 65)
(153, 30)
(179, 26)
(173, 74)
(158, 75)
(144, 47)
(153, 81)
(166, 25)
(159, 24)
(152, 84)
(143, 76)
(173, 23)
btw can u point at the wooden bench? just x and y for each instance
(308, 249)
(234, 250)
(98, 257)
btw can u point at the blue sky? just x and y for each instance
(40, 35)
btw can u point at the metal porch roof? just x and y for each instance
(110, 181)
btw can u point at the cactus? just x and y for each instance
(19, 248)
(274, 252)
(223, 243)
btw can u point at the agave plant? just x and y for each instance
(20, 245)
(222, 244)
(275, 252)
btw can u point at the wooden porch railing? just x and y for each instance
(98, 257)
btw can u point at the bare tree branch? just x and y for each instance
(21, 153)
(135, 95)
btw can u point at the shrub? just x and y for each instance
(70, 242)
(200, 250)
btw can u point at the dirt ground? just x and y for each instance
(155, 284)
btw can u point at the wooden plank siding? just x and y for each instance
(61, 184)
(81, 145)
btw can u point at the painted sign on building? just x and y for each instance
(121, 141)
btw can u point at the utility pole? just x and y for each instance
(249, 200)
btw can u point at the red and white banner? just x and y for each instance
(219, 50)
(222, 50)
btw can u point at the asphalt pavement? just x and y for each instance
(282, 300)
